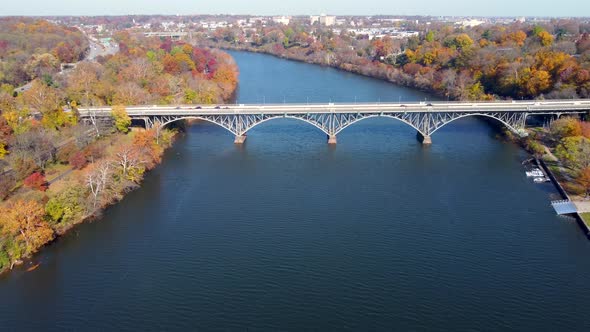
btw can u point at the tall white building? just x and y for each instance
(282, 20)
(323, 19)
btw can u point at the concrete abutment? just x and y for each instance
(240, 139)
(424, 139)
(332, 139)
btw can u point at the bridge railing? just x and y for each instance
(537, 103)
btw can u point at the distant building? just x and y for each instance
(323, 20)
(327, 20)
(470, 23)
(282, 20)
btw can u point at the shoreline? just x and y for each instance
(563, 193)
(90, 217)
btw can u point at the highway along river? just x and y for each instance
(288, 233)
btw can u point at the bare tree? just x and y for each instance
(98, 180)
(128, 158)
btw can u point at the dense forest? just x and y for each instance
(32, 49)
(148, 70)
(56, 172)
(520, 60)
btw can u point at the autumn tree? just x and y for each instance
(36, 181)
(545, 38)
(84, 84)
(145, 144)
(130, 162)
(77, 160)
(583, 179)
(566, 127)
(48, 101)
(121, 118)
(574, 151)
(67, 206)
(23, 221)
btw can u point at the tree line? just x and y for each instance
(501, 61)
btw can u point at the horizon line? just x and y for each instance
(292, 15)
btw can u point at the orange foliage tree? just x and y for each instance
(23, 221)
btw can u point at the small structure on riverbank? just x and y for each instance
(564, 207)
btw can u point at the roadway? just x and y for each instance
(528, 106)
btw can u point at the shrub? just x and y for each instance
(36, 181)
(67, 205)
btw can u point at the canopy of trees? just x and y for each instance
(148, 70)
(35, 49)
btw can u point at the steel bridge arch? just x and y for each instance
(506, 124)
(247, 128)
(163, 124)
(380, 116)
(281, 116)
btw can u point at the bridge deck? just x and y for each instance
(331, 118)
(533, 107)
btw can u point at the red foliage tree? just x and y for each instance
(77, 160)
(36, 181)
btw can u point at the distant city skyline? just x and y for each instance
(527, 8)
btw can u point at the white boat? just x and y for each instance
(535, 172)
(541, 180)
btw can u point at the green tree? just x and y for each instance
(463, 42)
(67, 206)
(574, 151)
(122, 119)
(429, 36)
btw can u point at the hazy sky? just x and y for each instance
(273, 7)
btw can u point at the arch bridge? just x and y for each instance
(425, 118)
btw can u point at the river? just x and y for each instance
(288, 233)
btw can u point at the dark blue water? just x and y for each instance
(287, 233)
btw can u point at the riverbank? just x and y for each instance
(100, 176)
(39, 198)
(580, 217)
(562, 151)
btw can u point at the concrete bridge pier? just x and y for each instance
(424, 139)
(240, 139)
(332, 139)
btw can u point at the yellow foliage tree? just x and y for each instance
(122, 119)
(545, 37)
(23, 221)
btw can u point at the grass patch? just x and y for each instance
(54, 170)
(586, 217)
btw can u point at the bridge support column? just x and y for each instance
(240, 139)
(332, 139)
(424, 139)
